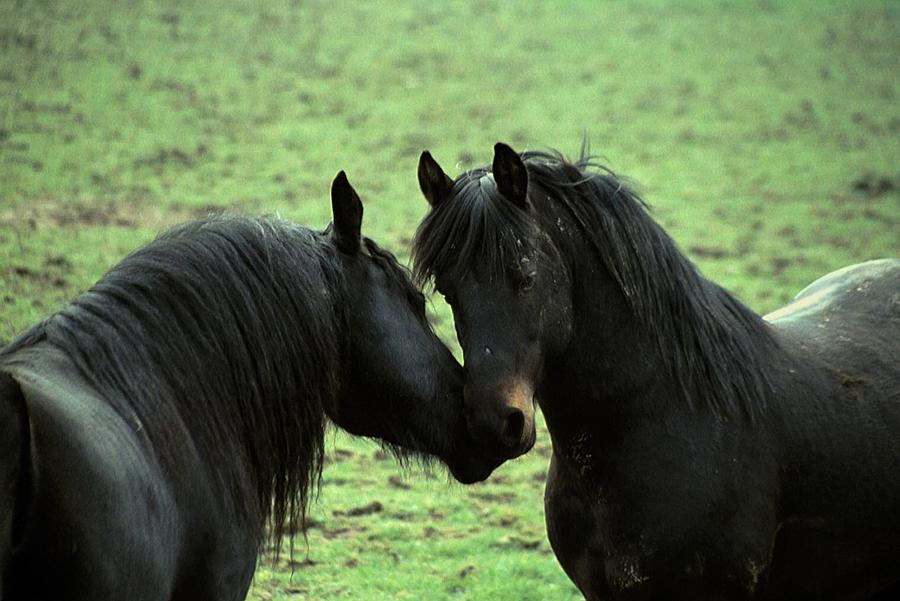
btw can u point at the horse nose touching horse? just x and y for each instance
(501, 417)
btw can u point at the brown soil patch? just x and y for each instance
(124, 213)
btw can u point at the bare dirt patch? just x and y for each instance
(373, 507)
(875, 184)
(54, 213)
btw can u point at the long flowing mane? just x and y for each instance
(712, 344)
(225, 334)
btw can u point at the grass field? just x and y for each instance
(765, 134)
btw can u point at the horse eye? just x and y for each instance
(527, 282)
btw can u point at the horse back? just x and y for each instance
(96, 505)
(848, 324)
(842, 334)
(13, 469)
(853, 308)
(101, 507)
(100, 504)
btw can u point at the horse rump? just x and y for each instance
(13, 470)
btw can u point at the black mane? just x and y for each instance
(227, 329)
(712, 344)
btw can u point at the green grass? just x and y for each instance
(766, 135)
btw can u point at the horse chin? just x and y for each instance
(470, 470)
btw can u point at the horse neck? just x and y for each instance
(610, 355)
(685, 346)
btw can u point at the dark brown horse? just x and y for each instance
(152, 429)
(699, 451)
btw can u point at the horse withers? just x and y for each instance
(156, 431)
(699, 451)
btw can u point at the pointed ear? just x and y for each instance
(347, 211)
(510, 174)
(433, 182)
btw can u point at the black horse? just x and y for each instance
(155, 429)
(699, 451)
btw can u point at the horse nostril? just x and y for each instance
(513, 427)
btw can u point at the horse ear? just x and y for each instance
(433, 182)
(347, 211)
(510, 174)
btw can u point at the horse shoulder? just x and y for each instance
(574, 530)
(647, 515)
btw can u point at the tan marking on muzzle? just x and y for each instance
(520, 394)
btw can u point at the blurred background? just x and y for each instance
(765, 135)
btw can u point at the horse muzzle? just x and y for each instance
(501, 419)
